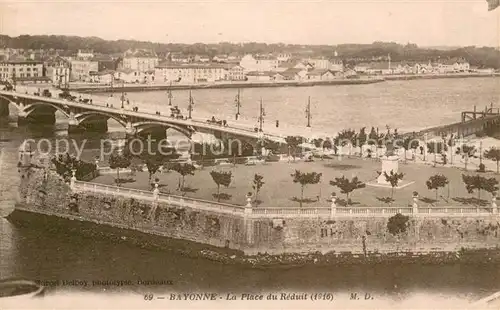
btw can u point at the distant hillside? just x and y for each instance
(482, 57)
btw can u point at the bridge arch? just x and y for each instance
(145, 125)
(32, 107)
(82, 117)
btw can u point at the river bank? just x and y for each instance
(88, 88)
(219, 85)
(439, 76)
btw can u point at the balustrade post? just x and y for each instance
(333, 205)
(156, 195)
(415, 203)
(73, 179)
(248, 206)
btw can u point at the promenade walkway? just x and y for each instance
(250, 211)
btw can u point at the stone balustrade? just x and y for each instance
(248, 210)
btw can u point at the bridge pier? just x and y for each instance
(156, 134)
(4, 108)
(24, 118)
(130, 131)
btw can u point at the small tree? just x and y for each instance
(305, 178)
(493, 154)
(361, 140)
(221, 178)
(476, 182)
(184, 170)
(408, 143)
(397, 224)
(467, 151)
(393, 179)
(437, 181)
(118, 161)
(436, 147)
(347, 186)
(257, 184)
(153, 163)
(293, 142)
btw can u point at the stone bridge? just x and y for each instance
(94, 117)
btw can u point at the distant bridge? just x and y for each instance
(94, 117)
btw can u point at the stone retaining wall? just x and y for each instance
(45, 191)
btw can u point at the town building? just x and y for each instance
(234, 72)
(294, 64)
(321, 75)
(58, 70)
(261, 76)
(190, 73)
(179, 58)
(102, 77)
(333, 63)
(22, 71)
(283, 57)
(295, 74)
(81, 68)
(259, 63)
(85, 54)
(201, 58)
(139, 60)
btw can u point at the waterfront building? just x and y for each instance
(333, 63)
(422, 68)
(106, 62)
(81, 68)
(261, 76)
(322, 75)
(260, 63)
(234, 72)
(348, 72)
(102, 77)
(134, 76)
(58, 70)
(380, 67)
(190, 73)
(453, 65)
(22, 71)
(139, 60)
(295, 74)
(336, 63)
(294, 64)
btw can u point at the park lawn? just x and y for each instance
(279, 188)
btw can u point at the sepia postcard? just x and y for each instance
(217, 154)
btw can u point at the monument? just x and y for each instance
(390, 162)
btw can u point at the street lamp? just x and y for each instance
(262, 113)
(237, 102)
(190, 106)
(123, 94)
(170, 96)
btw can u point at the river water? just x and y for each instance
(402, 104)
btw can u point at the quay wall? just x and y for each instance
(46, 195)
(139, 87)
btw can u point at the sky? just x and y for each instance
(424, 22)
